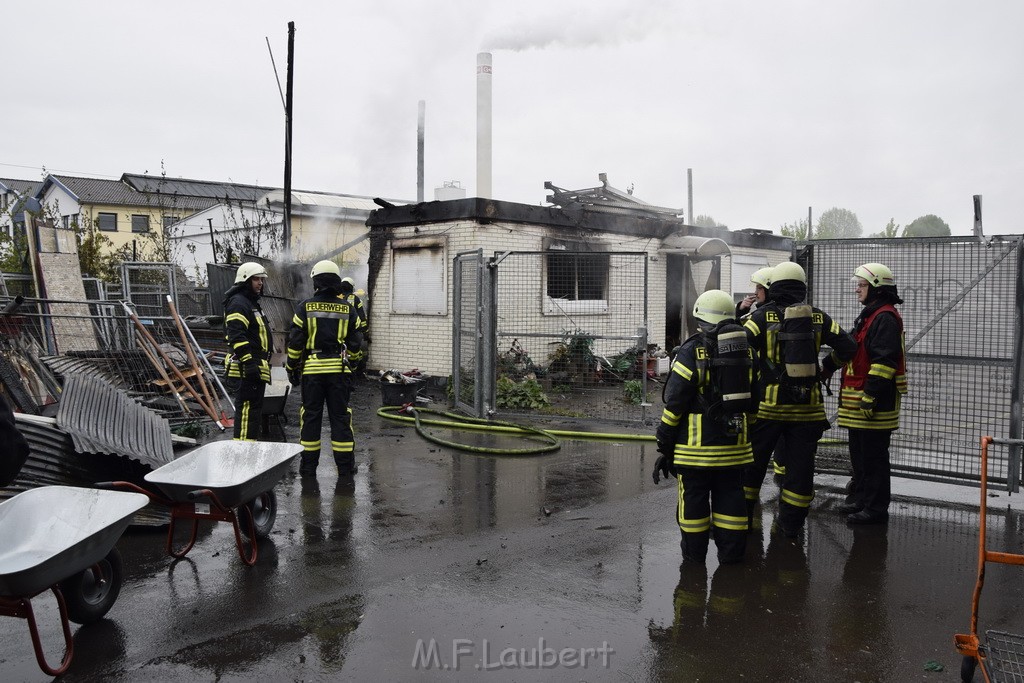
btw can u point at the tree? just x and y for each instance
(705, 221)
(927, 226)
(892, 229)
(797, 229)
(838, 223)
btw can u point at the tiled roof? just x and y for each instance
(184, 187)
(115, 192)
(20, 186)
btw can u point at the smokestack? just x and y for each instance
(483, 125)
(419, 152)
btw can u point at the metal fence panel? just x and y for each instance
(961, 315)
(571, 334)
(467, 333)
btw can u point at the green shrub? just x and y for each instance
(633, 389)
(525, 394)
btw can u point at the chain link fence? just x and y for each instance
(571, 334)
(962, 321)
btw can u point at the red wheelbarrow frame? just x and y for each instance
(215, 511)
(21, 607)
(968, 644)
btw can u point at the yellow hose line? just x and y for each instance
(391, 413)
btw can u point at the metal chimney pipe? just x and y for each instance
(419, 151)
(483, 125)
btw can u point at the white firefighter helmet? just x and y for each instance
(348, 280)
(325, 268)
(248, 270)
(762, 276)
(713, 306)
(789, 271)
(876, 274)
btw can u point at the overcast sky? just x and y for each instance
(888, 108)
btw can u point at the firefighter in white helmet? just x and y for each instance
(323, 332)
(762, 280)
(786, 335)
(249, 337)
(357, 358)
(869, 401)
(702, 437)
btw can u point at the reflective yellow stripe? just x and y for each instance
(795, 499)
(883, 371)
(751, 493)
(237, 316)
(729, 521)
(343, 446)
(670, 418)
(682, 370)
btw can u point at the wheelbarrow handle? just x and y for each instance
(207, 493)
(115, 485)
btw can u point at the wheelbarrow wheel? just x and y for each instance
(262, 510)
(91, 593)
(967, 667)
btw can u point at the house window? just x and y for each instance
(169, 221)
(743, 266)
(140, 223)
(107, 222)
(65, 221)
(577, 282)
(419, 277)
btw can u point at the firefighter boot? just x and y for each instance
(308, 464)
(346, 463)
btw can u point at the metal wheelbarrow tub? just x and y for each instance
(213, 480)
(236, 471)
(63, 539)
(50, 533)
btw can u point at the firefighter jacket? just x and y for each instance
(247, 332)
(779, 400)
(700, 437)
(324, 330)
(361, 324)
(875, 379)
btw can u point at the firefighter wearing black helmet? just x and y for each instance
(323, 332)
(869, 401)
(248, 335)
(702, 440)
(786, 335)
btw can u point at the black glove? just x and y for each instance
(295, 377)
(251, 372)
(663, 466)
(867, 406)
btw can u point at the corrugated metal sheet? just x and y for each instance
(101, 419)
(53, 462)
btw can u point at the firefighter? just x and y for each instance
(248, 335)
(357, 358)
(761, 279)
(786, 336)
(323, 331)
(703, 444)
(872, 386)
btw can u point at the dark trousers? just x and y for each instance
(249, 409)
(869, 455)
(800, 443)
(711, 504)
(334, 390)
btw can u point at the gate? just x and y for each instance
(468, 333)
(570, 334)
(962, 315)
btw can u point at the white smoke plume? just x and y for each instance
(582, 27)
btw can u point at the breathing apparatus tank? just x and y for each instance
(731, 369)
(798, 353)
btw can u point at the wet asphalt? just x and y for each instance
(439, 565)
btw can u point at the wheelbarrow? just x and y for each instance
(222, 481)
(1002, 655)
(62, 539)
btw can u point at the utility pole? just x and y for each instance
(286, 237)
(808, 222)
(213, 243)
(689, 196)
